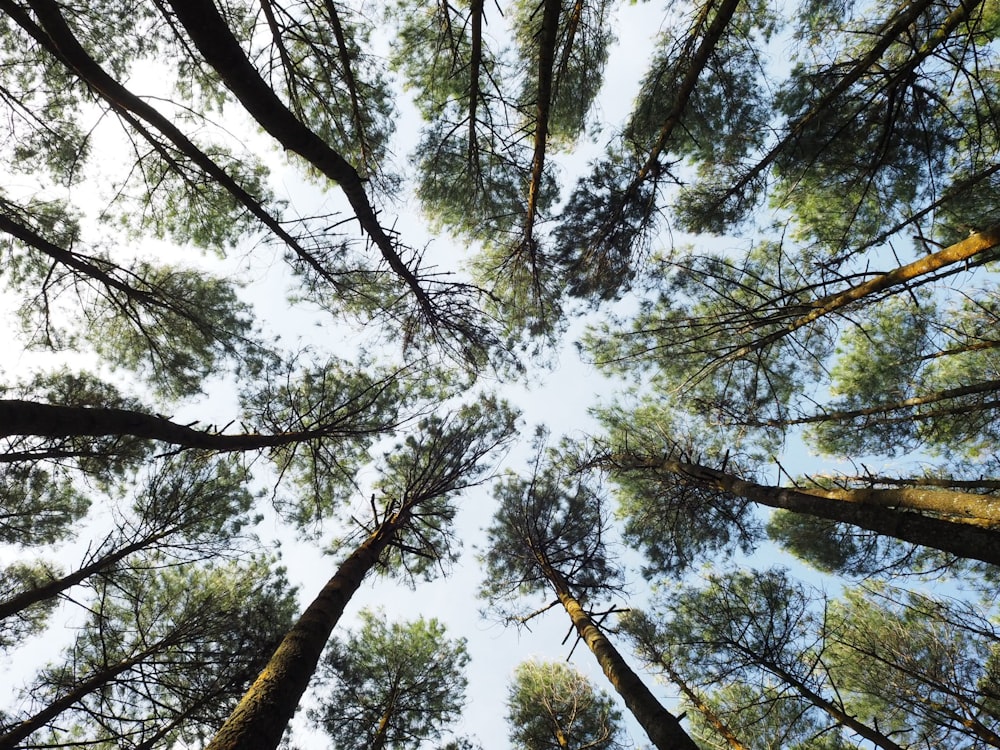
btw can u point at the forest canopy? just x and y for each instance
(661, 340)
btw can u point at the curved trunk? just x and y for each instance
(260, 718)
(662, 727)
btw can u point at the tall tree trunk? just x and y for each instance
(706, 710)
(260, 718)
(58, 39)
(662, 727)
(960, 252)
(48, 590)
(30, 418)
(905, 16)
(961, 529)
(215, 41)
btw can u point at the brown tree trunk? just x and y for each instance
(260, 718)
(960, 526)
(662, 727)
(696, 700)
(58, 39)
(48, 590)
(23, 729)
(215, 41)
(19, 417)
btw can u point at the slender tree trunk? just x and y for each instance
(960, 252)
(260, 718)
(58, 39)
(547, 35)
(48, 590)
(898, 513)
(905, 16)
(662, 727)
(706, 710)
(986, 386)
(23, 729)
(870, 734)
(215, 41)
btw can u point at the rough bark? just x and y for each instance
(662, 727)
(260, 718)
(963, 527)
(30, 418)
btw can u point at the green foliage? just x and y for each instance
(30, 621)
(423, 474)
(915, 662)
(392, 685)
(547, 532)
(165, 654)
(551, 706)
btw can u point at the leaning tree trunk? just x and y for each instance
(963, 524)
(260, 718)
(662, 727)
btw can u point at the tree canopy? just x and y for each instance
(679, 321)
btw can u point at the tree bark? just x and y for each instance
(662, 727)
(48, 590)
(260, 718)
(966, 524)
(30, 418)
(215, 41)
(58, 39)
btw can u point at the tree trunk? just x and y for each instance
(48, 590)
(963, 528)
(23, 729)
(662, 727)
(987, 386)
(214, 39)
(260, 718)
(960, 252)
(58, 39)
(30, 418)
(872, 735)
(696, 700)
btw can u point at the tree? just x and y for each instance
(548, 536)
(409, 535)
(165, 651)
(741, 624)
(551, 705)
(391, 685)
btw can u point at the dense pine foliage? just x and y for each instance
(286, 269)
